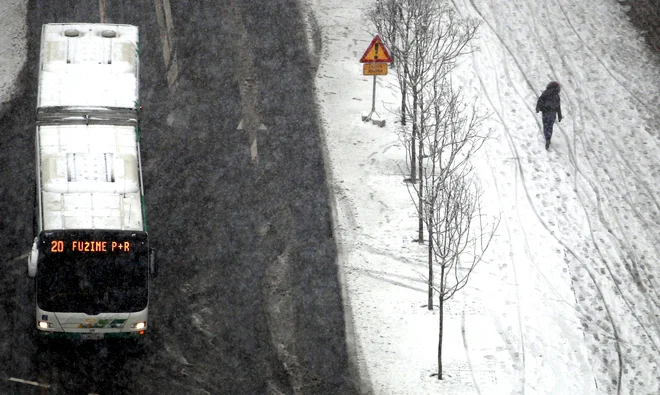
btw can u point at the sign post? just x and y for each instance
(375, 61)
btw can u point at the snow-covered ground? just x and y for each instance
(567, 299)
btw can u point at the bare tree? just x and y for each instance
(460, 241)
(442, 39)
(393, 20)
(444, 138)
(452, 136)
(457, 234)
(427, 39)
(385, 16)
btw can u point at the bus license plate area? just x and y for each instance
(91, 336)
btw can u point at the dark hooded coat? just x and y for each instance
(549, 100)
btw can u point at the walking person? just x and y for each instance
(550, 105)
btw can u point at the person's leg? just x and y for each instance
(548, 122)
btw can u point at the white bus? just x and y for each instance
(91, 258)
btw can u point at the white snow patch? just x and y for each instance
(566, 301)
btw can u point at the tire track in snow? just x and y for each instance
(521, 172)
(616, 281)
(607, 69)
(519, 165)
(529, 84)
(592, 184)
(533, 207)
(502, 332)
(513, 265)
(556, 75)
(510, 83)
(517, 157)
(600, 209)
(576, 167)
(625, 244)
(506, 128)
(603, 259)
(525, 238)
(562, 328)
(572, 154)
(635, 172)
(521, 332)
(573, 71)
(467, 354)
(600, 292)
(594, 168)
(513, 86)
(523, 99)
(614, 329)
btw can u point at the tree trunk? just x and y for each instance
(413, 157)
(430, 230)
(403, 104)
(441, 315)
(420, 230)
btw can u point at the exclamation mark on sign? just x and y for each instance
(376, 50)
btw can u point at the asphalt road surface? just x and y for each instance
(247, 300)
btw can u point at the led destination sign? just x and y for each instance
(84, 242)
(89, 246)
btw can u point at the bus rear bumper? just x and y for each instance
(82, 336)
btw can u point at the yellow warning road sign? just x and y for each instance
(376, 52)
(374, 69)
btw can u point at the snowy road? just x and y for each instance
(247, 300)
(595, 192)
